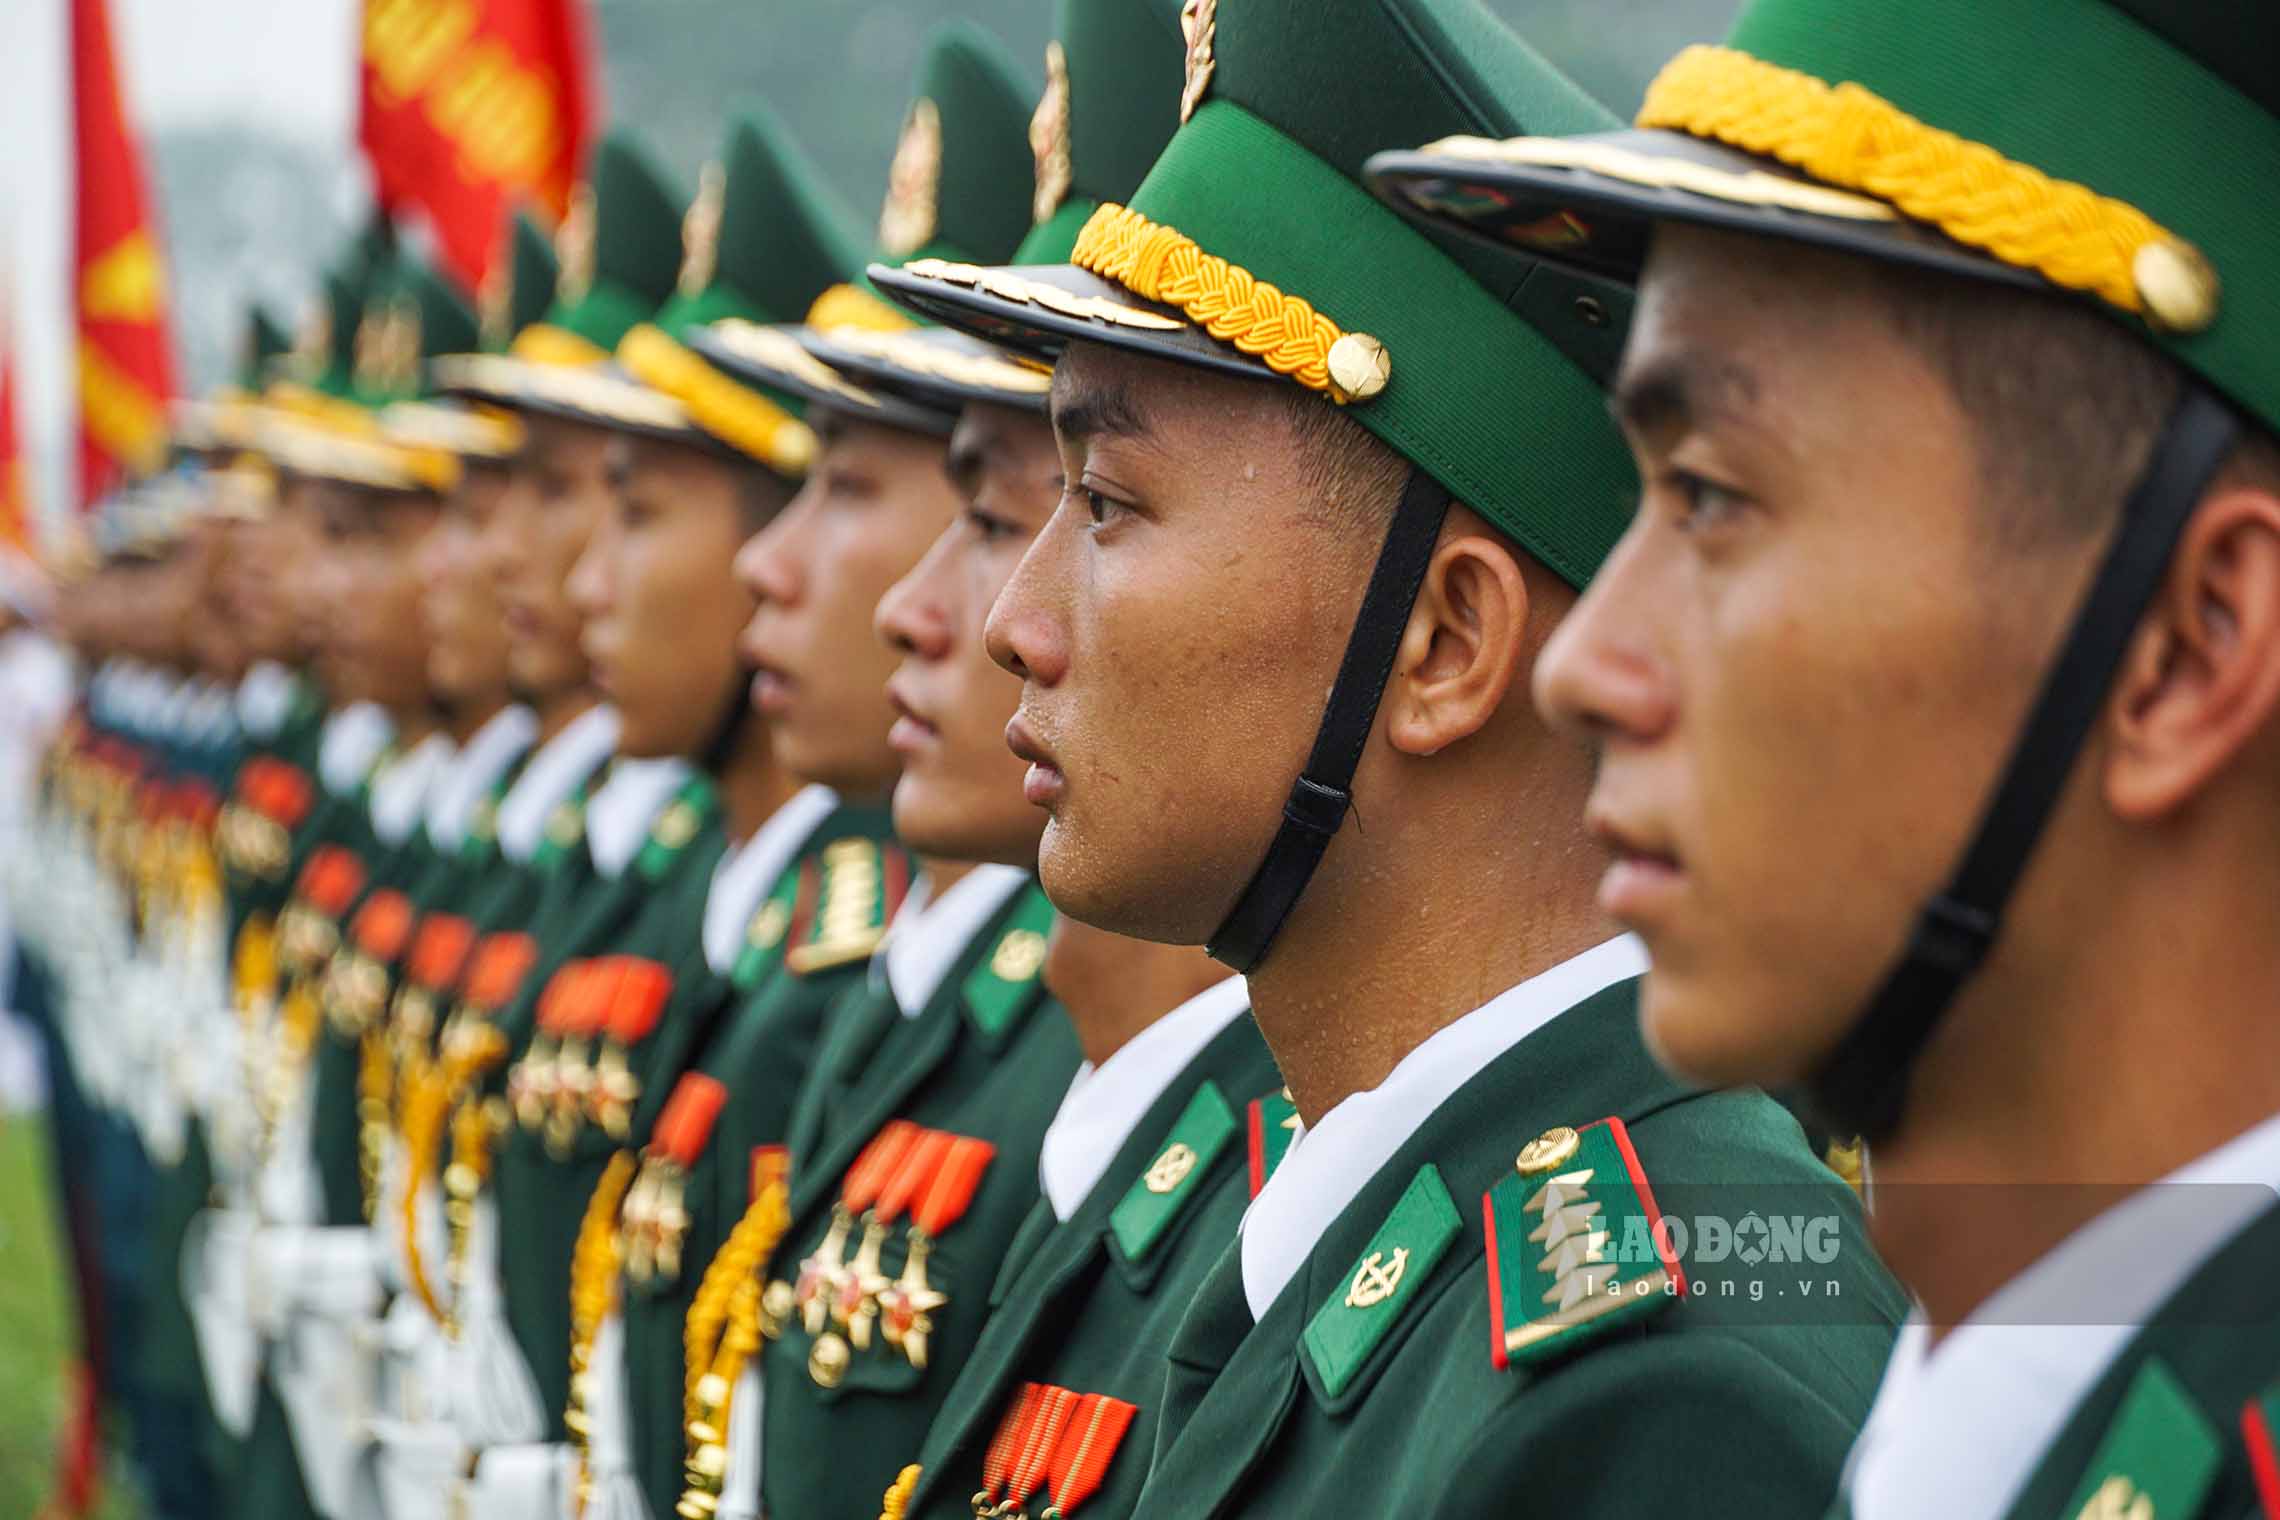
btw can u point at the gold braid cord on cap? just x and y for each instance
(737, 415)
(1847, 136)
(1280, 330)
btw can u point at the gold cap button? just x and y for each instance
(1359, 367)
(2179, 287)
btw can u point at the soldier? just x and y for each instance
(1269, 383)
(1954, 349)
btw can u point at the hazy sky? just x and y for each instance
(286, 65)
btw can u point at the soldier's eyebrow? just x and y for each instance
(1668, 395)
(1091, 409)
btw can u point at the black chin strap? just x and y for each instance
(1862, 1087)
(1324, 790)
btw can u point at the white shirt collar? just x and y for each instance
(746, 872)
(400, 788)
(619, 814)
(1327, 1165)
(264, 697)
(1105, 1103)
(1957, 1430)
(552, 775)
(352, 740)
(473, 771)
(927, 935)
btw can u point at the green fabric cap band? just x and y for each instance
(2088, 93)
(1478, 398)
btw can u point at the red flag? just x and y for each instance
(15, 491)
(470, 106)
(126, 374)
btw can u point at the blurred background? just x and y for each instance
(246, 113)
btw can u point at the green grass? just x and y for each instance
(35, 1322)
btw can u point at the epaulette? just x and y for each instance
(692, 807)
(1160, 1194)
(1274, 1126)
(1371, 1298)
(1008, 981)
(2259, 1423)
(848, 895)
(2158, 1456)
(1575, 1244)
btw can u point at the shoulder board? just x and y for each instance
(850, 890)
(1371, 1298)
(1159, 1194)
(2158, 1457)
(685, 817)
(1003, 986)
(1274, 1126)
(1573, 1248)
(2260, 1433)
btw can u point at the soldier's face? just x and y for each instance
(267, 575)
(661, 609)
(1176, 625)
(467, 633)
(557, 490)
(374, 626)
(876, 497)
(1795, 668)
(960, 791)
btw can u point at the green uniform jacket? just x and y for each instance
(759, 1051)
(2189, 1412)
(1398, 1407)
(655, 910)
(988, 1058)
(1090, 1304)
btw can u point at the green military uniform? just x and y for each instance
(982, 1065)
(1386, 1365)
(2112, 197)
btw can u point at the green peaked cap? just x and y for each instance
(1113, 102)
(958, 187)
(265, 341)
(619, 249)
(765, 235)
(521, 283)
(2168, 107)
(412, 315)
(324, 357)
(1477, 367)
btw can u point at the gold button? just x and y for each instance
(1548, 1151)
(2178, 286)
(1359, 367)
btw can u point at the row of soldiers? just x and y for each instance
(779, 883)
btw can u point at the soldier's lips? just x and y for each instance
(771, 691)
(1043, 783)
(1643, 878)
(913, 730)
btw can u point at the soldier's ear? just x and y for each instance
(2199, 689)
(1462, 656)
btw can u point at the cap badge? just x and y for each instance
(906, 221)
(1200, 26)
(700, 231)
(1049, 136)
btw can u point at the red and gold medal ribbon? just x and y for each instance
(907, 1304)
(950, 1192)
(656, 1211)
(886, 1191)
(1033, 1453)
(638, 992)
(1087, 1448)
(998, 1458)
